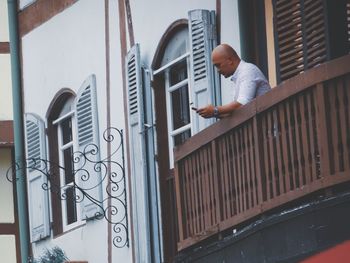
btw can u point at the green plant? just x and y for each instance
(54, 255)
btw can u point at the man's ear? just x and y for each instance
(231, 61)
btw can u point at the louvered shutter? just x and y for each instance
(152, 184)
(88, 139)
(138, 160)
(300, 34)
(315, 33)
(204, 78)
(348, 23)
(38, 199)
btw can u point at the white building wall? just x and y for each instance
(6, 192)
(8, 249)
(7, 242)
(7, 216)
(152, 18)
(6, 111)
(69, 47)
(230, 35)
(62, 53)
(4, 28)
(25, 3)
(117, 108)
(5, 68)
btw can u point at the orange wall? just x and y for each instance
(336, 254)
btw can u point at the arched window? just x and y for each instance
(183, 77)
(174, 71)
(64, 124)
(72, 127)
(62, 138)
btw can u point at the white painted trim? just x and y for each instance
(178, 85)
(63, 185)
(67, 145)
(169, 118)
(61, 118)
(180, 130)
(187, 54)
(169, 107)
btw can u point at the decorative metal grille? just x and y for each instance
(113, 206)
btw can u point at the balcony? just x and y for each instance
(291, 142)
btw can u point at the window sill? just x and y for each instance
(77, 226)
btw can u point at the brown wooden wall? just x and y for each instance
(6, 134)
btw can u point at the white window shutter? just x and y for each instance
(204, 78)
(88, 139)
(38, 199)
(138, 154)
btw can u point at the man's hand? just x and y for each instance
(224, 111)
(207, 111)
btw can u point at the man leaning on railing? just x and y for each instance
(249, 81)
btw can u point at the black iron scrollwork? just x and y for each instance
(86, 165)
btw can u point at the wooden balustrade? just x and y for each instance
(284, 145)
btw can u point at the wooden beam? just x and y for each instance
(7, 229)
(4, 47)
(40, 12)
(6, 134)
(130, 26)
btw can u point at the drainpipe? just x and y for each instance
(18, 132)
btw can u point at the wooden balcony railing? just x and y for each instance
(285, 144)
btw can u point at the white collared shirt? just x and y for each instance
(249, 81)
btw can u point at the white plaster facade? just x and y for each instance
(7, 208)
(62, 53)
(5, 68)
(7, 205)
(65, 50)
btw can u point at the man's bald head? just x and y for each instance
(225, 50)
(225, 59)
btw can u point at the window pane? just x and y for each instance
(68, 165)
(66, 130)
(178, 72)
(181, 107)
(71, 206)
(182, 137)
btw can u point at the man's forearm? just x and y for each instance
(224, 110)
(228, 108)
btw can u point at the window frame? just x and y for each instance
(52, 114)
(63, 186)
(165, 69)
(169, 106)
(210, 84)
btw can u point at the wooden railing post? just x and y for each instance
(178, 202)
(258, 157)
(322, 136)
(217, 182)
